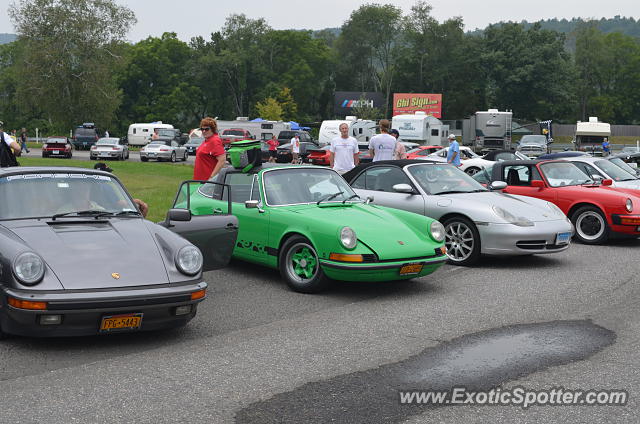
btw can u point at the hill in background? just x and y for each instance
(7, 38)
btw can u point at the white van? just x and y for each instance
(421, 128)
(140, 134)
(361, 129)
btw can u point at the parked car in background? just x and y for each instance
(307, 222)
(476, 220)
(420, 151)
(563, 155)
(230, 135)
(109, 148)
(164, 150)
(284, 150)
(193, 144)
(57, 147)
(630, 149)
(285, 137)
(78, 258)
(85, 136)
(533, 145)
(596, 210)
(320, 156)
(603, 168)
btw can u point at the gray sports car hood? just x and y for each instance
(479, 206)
(87, 254)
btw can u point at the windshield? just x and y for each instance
(166, 133)
(534, 139)
(44, 195)
(233, 132)
(615, 172)
(443, 178)
(56, 140)
(622, 164)
(304, 185)
(159, 143)
(196, 141)
(564, 174)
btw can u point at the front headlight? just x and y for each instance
(348, 238)
(555, 209)
(629, 205)
(437, 231)
(28, 268)
(512, 219)
(189, 260)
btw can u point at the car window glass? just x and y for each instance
(588, 169)
(304, 185)
(240, 187)
(517, 175)
(255, 191)
(442, 178)
(613, 171)
(563, 174)
(505, 156)
(360, 182)
(383, 178)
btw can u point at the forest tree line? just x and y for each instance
(61, 72)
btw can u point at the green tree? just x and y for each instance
(270, 109)
(70, 50)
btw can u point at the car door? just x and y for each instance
(214, 234)
(378, 181)
(518, 179)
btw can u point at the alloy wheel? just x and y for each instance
(459, 241)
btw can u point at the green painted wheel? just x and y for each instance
(300, 267)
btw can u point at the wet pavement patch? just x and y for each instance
(478, 361)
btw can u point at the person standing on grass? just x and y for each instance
(210, 156)
(23, 140)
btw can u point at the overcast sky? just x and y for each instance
(189, 18)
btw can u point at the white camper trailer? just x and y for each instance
(260, 130)
(421, 128)
(140, 134)
(590, 135)
(361, 129)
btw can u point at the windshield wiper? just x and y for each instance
(123, 213)
(329, 197)
(452, 192)
(350, 197)
(90, 212)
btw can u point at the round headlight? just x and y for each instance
(189, 260)
(629, 205)
(437, 231)
(348, 238)
(28, 268)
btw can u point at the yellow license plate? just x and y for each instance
(411, 269)
(121, 322)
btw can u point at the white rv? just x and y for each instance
(140, 134)
(361, 129)
(421, 128)
(261, 130)
(591, 134)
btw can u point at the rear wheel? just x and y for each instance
(591, 225)
(472, 170)
(186, 156)
(462, 241)
(143, 159)
(300, 267)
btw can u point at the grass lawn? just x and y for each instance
(155, 183)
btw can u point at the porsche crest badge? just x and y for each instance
(115, 275)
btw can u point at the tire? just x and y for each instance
(144, 159)
(186, 156)
(591, 225)
(173, 157)
(472, 170)
(92, 158)
(44, 156)
(297, 267)
(462, 240)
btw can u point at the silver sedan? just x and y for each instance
(477, 220)
(109, 148)
(164, 150)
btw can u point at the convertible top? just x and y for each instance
(399, 163)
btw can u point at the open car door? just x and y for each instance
(214, 234)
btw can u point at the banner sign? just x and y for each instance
(431, 104)
(346, 100)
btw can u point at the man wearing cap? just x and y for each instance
(9, 141)
(453, 155)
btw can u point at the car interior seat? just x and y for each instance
(513, 178)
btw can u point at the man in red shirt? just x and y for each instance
(210, 155)
(273, 148)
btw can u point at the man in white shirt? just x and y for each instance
(382, 146)
(295, 148)
(343, 153)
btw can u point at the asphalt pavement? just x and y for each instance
(257, 352)
(134, 156)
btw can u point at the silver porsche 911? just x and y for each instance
(78, 258)
(477, 220)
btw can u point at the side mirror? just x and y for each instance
(597, 178)
(369, 200)
(253, 204)
(403, 188)
(497, 185)
(632, 164)
(537, 183)
(607, 182)
(179, 215)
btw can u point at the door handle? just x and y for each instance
(231, 226)
(217, 211)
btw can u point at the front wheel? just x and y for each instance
(173, 157)
(143, 159)
(186, 156)
(462, 241)
(300, 267)
(591, 225)
(472, 170)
